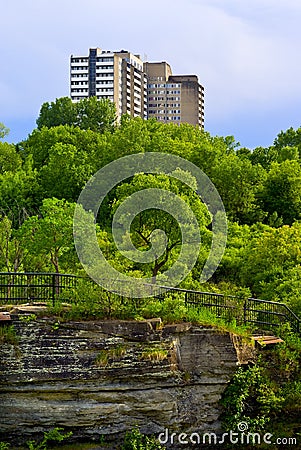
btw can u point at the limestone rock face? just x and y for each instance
(103, 378)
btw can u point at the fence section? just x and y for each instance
(18, 287)
(265, 313)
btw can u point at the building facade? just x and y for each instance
(146, 89)
(117, 76)
(174, 98)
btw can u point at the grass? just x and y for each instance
(8, 335)
(115, 353)
(154, 354)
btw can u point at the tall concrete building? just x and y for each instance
(146, 89)
(173, 98)
(117, 76)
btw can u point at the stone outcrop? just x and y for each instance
(102, 378)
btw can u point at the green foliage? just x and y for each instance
(4, 446)
(171, 309)
(113, 353)
(48, 237)
(10, 159)
(135, 440)
(51, 436)
(238, 183)
(281, 192)
(87, 114)
(145, 223)
(250, 398)
(8, 335)
(154, 353)
(89, 300)
(27, 318)
(3, 130)
(102, 358)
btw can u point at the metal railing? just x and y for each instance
(19, 287)
(267, 313)
(263, 313)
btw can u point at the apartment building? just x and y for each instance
(117, 76)
(146, 89)
(173, 98)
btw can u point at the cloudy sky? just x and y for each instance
(246, 54)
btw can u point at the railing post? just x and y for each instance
(245, 311)
(185, 300)
(53, 289)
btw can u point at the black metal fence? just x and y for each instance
(17, 287)
(266, 313)
(262, 313)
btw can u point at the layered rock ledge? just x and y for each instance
(101, 378)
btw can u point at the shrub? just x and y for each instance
(134, 440)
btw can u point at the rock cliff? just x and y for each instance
(104, 377)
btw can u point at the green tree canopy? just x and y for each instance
(281, 192)
(3, 130)
(146, 223)
(87, 114)
(48, 237)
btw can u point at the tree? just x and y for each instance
(96, 115)
(60, 112)
(66, 172)
(49, 236)
(10, 160)
(87, 114)
(20, 194)
(281, 192)
(143, 231)
(269, 257)
(11, 252)
(3, 131)
(288, 138)
(238, 182)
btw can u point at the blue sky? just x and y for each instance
(246, 53)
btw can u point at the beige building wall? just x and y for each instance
(157, 70)
(146, 89)
(174, 98)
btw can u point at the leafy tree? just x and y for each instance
(40, 143)
(269, 257)
(238, 182)
(264, 156)
(281, 192)
(20, 194)
(66, 172)
(87, 114)
(288, 138)
(49, 237)
(11, 252)
(3, 131)
(10, 160)
(96, 115)
(146, 223)
(60, 112)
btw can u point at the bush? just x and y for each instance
(53, 435)
(250, 398)
(134, 440)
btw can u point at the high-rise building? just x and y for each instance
(174, 98)
(139, 89)
(117, 76)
